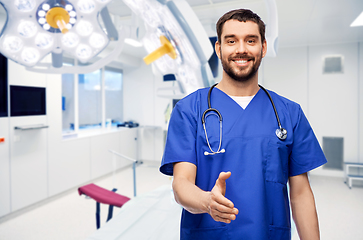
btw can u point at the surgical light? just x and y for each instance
(133, 42)
(44, 40)
(25, 5)
(86, 6)
(84, 28)
(83, 51)
(166, 48)
(176, 41)
(97, 40)
(12, 44)
(70, 40)
(30, 55)
(36, 28)
(27, 29)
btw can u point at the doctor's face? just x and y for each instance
(241, 49)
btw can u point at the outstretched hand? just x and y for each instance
(220, 208)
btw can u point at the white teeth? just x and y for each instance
(240, 61)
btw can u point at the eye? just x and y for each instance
(230, 41)
(251, 41)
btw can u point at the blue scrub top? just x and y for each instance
(260, 163)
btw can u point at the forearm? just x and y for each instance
(188, 195)
(304, 213)
(196, 201)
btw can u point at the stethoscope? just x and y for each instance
(280, 132)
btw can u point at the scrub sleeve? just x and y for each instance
(306, 153)
(181, 137)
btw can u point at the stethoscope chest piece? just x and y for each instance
(281, 133)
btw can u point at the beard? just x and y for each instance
(238, 74)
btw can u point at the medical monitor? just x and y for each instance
(27, 101)
(3, 86)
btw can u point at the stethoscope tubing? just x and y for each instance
(281, 133)
(273, 105)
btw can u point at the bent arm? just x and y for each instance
(303, 207)
(195, 200)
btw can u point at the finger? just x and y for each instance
(223, 217)
(222, 200)
(223, 176)
(221, 181)
(223, 209)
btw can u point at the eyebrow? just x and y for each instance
(229, 36)
(248, 36)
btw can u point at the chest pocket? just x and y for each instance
(277, 162)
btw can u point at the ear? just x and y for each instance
(264, 48)
(217, 48)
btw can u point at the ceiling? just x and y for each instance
(301, 22)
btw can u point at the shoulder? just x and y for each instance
(191, 102)
(288, 108)
(194, 96)
(281, 101)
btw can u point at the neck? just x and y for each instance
(235, 88)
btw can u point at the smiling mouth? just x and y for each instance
(240, 61)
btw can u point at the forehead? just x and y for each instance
(240, 29)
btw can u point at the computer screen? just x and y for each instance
(27, 101)
(3, 86)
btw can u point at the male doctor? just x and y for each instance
(240, 192)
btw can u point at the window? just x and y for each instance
(68, 103)
(113, 94)
(89, 100)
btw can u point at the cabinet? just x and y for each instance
(28, 154)
(4, 168)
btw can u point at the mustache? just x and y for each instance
(241, 56)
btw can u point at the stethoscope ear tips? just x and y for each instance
(222, 151)
(281, 133)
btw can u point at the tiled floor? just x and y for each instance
(71, 216)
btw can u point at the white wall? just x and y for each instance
(332, 102)
(141, 104)
(360, 102)
(287, 74)
(333, 98)
(5, 207)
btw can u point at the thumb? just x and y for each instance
(221, 181)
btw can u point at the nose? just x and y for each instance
(241, 47)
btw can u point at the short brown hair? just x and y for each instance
(242, 15)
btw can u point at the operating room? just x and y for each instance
(103, 119)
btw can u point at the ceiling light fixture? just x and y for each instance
(36, 28)
(173, 29)
(358, 21)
